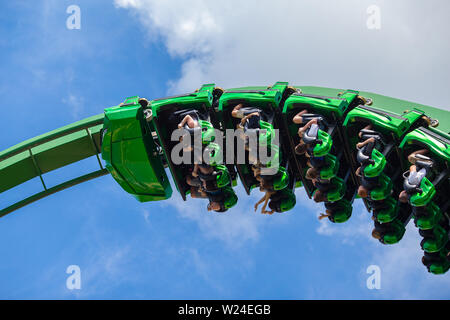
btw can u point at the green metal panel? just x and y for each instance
(52, 190)
(131, 155)
(383, 121)
(439, 145)
(332, 109)
(48, 152)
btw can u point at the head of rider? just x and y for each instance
(216, 206)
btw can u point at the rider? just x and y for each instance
(364, 157)
(204, 189)
(189, 123)
(417, 171)
(278, 201)
(282, 200)
(323, 187)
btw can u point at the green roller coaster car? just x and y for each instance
(376, 168)
(223, 177)
(342, 213)
(266, 134)
(395, 234)
(230, 197)
(130, 153)
(166, 114)
(134, 140)
(427, 193)
(436, 141)
(388, 214)
(434, 215)
(281, 181)
(384, 190)
(331, 169)
(289, 200)
(435, 240)
(262, 98)
(330, 106)
(440, 267)
(207, 131)
(323, 147)
(441, 263)
(386, 122)
(338, 190)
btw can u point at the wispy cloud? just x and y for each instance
(75, 104)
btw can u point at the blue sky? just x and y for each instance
(52, 76)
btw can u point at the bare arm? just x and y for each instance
(412, 156)
(302, 130)
(365, 142)
(189, 120)
(235, 112)
(248, 116)
(298, 119)
(368, 127)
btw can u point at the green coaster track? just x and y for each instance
(337, 144)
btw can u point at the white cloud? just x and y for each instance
(187, 27)
(323, 43)
(75, 104)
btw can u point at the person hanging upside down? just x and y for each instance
(367, 184)
(364, 157)
(189, 123)
(308, 136)
(323, 187)
(203, 185)
(280, 201)
(338, 211)
(315, 165)
(303, 117)
(417, 171)
(250, 117)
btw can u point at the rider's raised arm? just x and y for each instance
(298, 119)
